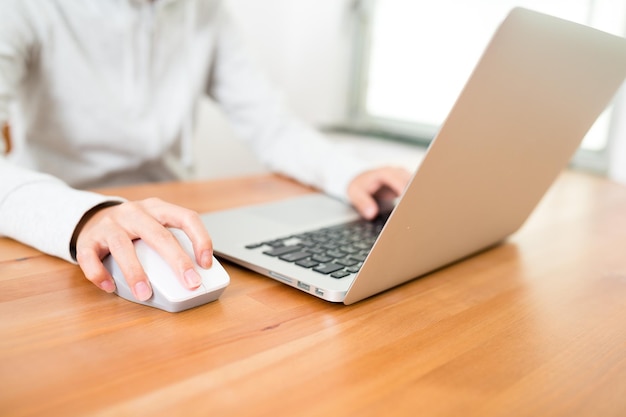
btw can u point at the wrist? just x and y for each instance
(86, 217)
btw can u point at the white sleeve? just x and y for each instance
(41, 211)
(36, 209)
(285, 144)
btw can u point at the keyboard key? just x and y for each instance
(275, 243)
(349, 249)
(295, 256)
(307, 263)
(321, 258)
(338, 250)
(254, 245)
(359, 257)
(347, 262)
(336, 253)
(282, 250)
(340, 274)
(328, 268)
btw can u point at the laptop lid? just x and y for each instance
(538, 88)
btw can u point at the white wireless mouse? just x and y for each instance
(167, 292)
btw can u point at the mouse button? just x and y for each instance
(183, 241)
(162, 278)
(215, 277)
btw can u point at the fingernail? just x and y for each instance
(206, 259)
(192, 278)
(142, 291)
(107, 285)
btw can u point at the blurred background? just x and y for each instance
(379, 76)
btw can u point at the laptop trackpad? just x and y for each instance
(307, 210)
(277, 219)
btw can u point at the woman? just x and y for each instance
(100, 91)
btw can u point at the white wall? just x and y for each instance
(305, 48)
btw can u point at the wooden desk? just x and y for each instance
(534, 327)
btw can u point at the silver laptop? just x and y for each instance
(538, 88)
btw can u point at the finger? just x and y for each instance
(363, 202)
(123, 251)
(190, 222)
(166, 245)
(94, 271)
(393, 184)
(200, 239)
(147, 221)
(362, 193)
(112, 230)
(397, 179)
(365, 189)
(150, 226)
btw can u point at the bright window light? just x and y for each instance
(421, 53)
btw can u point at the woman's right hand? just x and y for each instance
(112, 229)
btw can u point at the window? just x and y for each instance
(416, 56)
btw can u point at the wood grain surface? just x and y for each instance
(533, 327)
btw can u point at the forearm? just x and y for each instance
(258, 115)
(40, 210)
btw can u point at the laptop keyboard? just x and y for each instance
(337, 251)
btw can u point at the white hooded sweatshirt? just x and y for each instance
(97, 92)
